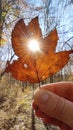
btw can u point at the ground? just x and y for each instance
(15, 108)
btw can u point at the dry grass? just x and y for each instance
(15, 106)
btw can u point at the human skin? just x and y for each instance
(53, 103)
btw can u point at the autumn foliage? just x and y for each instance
(35, 66)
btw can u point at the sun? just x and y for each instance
(34, 45)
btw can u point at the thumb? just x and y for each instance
(54, 106)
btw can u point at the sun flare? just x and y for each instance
(34, 45)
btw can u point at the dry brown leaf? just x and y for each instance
(35, 66)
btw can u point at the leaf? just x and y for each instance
(35, 66)
(3, 39)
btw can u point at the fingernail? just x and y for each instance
(41, 96)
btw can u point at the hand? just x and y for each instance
(54, 104)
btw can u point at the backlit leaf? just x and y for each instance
(35, 66)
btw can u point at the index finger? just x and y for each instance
(63, 89)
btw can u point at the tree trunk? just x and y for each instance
(0, 20)
(33, 120)
(32, 114)
(51, 79)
